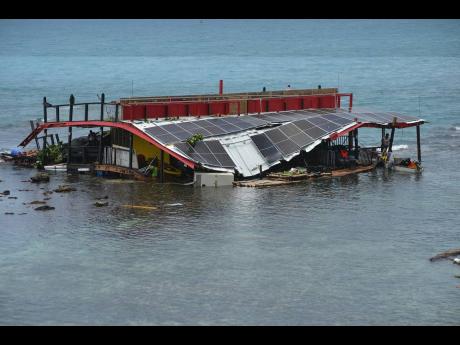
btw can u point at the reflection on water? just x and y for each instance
(350, 250)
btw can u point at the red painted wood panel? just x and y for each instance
(156, 110)
(218, 108)
(326, 101)
(293, 103)
(276, 104)
(198, 108)
(137, 111)
(257, 106)
(177, 109)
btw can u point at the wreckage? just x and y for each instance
(242, 134)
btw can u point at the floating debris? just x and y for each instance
(6, 192)
(65, 189)
(101, 203)
(40, 177)
(9, 212)
(140, 207)
(12, 197)
(446, 255)
(37, 202)
(44, 208)
(25, 190)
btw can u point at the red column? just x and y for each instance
(221, 87)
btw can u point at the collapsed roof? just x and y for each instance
(247, 143)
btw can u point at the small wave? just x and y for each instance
(400, 147)
(455, 128)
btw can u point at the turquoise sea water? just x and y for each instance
(349, 251)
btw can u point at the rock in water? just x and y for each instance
(6, 192)
(101, 203)
(44, 208)
(40, 177)
(64, 189)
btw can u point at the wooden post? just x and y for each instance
(350, 141)
(86, 111)
(57, 113)
(32, 126)
(69, 147)
(130, 150)
(162, 166)
(116, 112)
(355, 134)
(392, 135)
(419, 151)
(99, 156)
(45, 119)
(102, 106)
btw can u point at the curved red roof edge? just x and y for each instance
(123, 125)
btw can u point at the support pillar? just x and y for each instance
(130, 150)
(392, 135)
(350, 141)
(162, 166)
(419, 151)
(221, 87)
(69, 147)
(45, 119)
(355, 134)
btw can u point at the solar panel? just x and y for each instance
(301, 139)
(207, 152)
(266, 148)
(287, 147)
(275, 135)
(290, 129)
(339, 120)
(303, 124)
(315, 132)
(154, 131)
(329, 126)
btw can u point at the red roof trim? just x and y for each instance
(123, 125)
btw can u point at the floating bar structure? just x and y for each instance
(247, 134)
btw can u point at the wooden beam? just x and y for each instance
(419, 151)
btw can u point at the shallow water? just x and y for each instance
(347, 251)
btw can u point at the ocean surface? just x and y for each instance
(348, 251)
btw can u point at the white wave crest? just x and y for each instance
(400, 147)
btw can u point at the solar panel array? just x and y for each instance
(209, 152)
(177, 132)
(304, 128)
(283, 141)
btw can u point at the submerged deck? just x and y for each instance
(281, 181)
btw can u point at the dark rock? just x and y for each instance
(64, 189)
(44, 208)
(101, 203)
(9, 212)
(6, 192)
(37, 202)
(12, 197)
(46, 198)
(40, 177)
(22, 213)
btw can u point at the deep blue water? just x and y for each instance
(347, 251)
